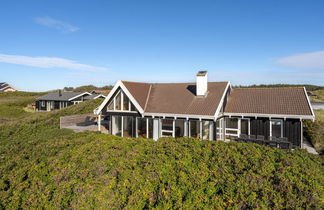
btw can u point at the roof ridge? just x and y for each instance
(299, 87)
(158, 83)
(148, 96)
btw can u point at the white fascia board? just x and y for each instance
(222, 100)
(304, 117)
(111, 93)
(209, 117)
(79, 95)
(309, 104)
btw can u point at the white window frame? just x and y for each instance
(167, 131)
(238, 129)
(200, 128)
(220, 129)
(281, 126)
(42, 103)
(249, 125)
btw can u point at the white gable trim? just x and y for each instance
(79, 95)
(309, 104)
(112, 92)
(221, 103)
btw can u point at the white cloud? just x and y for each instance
(313, 60)
(47, 62)
(57, 24)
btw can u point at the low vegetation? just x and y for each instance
(88, 88)
(42, 166)
(314, 131)
(318, 96)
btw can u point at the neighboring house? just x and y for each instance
(205, 110)
(5, 87)
(59, 100)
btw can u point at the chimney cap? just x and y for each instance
(202, 73)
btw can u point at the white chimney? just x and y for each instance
(201, 83)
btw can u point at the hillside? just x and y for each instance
(42, 166)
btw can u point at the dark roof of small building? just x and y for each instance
(277, 101)
(3, 84)
(56, 96)
(176, 98)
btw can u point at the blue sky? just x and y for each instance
(52, 44)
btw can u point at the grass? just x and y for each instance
(314, 131)
(42, 166)
(319, 115)
(319, 96)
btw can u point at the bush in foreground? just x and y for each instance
(93, 170)
(42, 166)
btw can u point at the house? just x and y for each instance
(5, 87)
(205, 110)
(59, 100)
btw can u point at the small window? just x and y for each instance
(118, 101)
(132, 107)
(125, 103)
(42, 103)
(231, 123)
(111, 105)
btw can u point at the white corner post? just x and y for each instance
(186, 127)
(99, 121)
(156, 128)
(211, 130)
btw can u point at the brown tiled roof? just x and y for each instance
(176, 98)
(280, 101)
(139, 91)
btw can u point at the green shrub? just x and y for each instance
(314, 132)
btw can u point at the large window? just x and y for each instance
(179, 128)
(111, 105)
(194, 128)
(245, 126)
(219, 129)
(167, 127)
(231, 123)
(150, 128)
(206, 130)
(142, 127)
(116, 125)
(120, 103)
(125, 103)
(276, 128)
(231, 129)
(128, 126)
